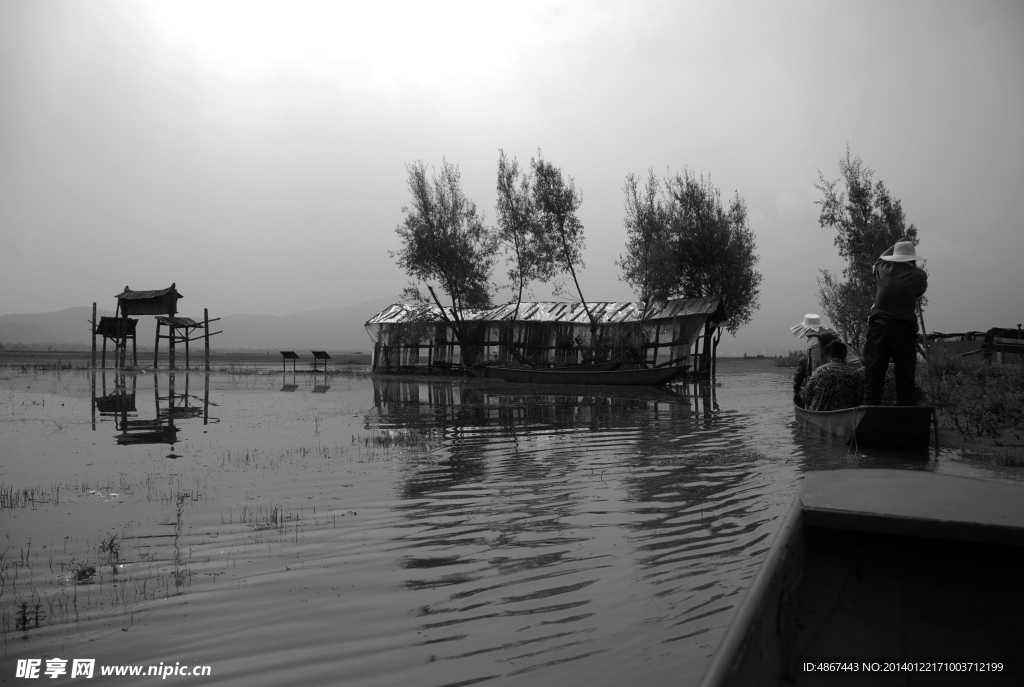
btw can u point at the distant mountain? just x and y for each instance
(69, 326)
(332, 329)
(328, 328)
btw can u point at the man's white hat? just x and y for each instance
(903, 252)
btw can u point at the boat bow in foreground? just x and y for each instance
(872, 569)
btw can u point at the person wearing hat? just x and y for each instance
(819, 336)
(892, 323)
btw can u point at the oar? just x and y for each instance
(931, 373)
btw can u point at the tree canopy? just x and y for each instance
(561, 232)
(867, 220)
(649, 263)
(682, 242)
(446, 243)
(529, 256)
(715, 251)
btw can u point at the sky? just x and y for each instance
(255, 153)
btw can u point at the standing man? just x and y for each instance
(892, 324)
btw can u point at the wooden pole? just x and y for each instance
(171, 331)
(135, 350)
(104, 362)
(931, 373)
(156, 345)
(94, 337)
(206, 335)
(187, 337)
(124, 340)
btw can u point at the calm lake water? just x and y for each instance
(383, 531)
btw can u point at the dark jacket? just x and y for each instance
(898, 285)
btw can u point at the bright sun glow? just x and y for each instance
(419, 41)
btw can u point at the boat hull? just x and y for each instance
(648, 377)
(876, 566)
(874, 425)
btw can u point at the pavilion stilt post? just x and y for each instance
(170, 338)
(156, 346)
(104, 359)
(187, 337)
(206, 336)
(123, 340)
(93, 337)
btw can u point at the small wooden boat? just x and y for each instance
(645, 377)
(482, 370)
(894, 572)
(874, 425)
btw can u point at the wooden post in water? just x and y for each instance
(156, 345)
(187, 337)
(931, 373)
(94, 338)
(206, 337)
(124, 340)
(170, 338)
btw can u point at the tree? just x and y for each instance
(867, 221)
(682, 242)
(557, 201)
(715, 252)
(649, 263)
(446, 242)
(530, 258)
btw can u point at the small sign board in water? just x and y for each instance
(286, 356)
(320, 355)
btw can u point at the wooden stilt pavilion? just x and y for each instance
(163, 303)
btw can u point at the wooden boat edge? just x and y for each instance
(759, 605)
(832, 421)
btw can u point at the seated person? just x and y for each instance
(819, 336)
(836, 384)
(803, 371)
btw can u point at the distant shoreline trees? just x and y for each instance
(867, 221)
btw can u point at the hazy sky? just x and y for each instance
(254, 152)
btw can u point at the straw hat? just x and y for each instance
(811, 326)
(903, 252)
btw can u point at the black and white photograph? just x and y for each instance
(558, 342)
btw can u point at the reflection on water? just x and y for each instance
(400, 531)
(557, 526)
(120, 406)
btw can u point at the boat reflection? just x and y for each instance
(168, 408)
